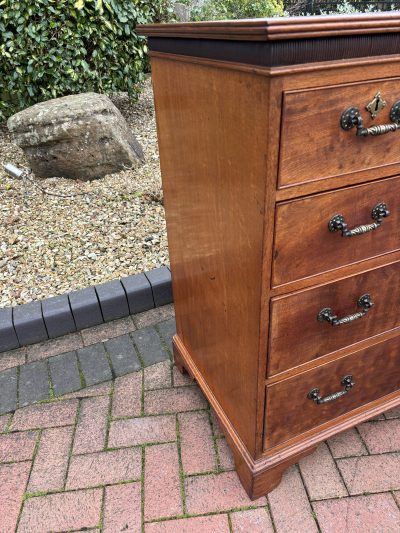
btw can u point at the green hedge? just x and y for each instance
(51, 48)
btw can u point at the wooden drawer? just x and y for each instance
(315, 147)
(289, 412)
(297, 336)
(305, 246)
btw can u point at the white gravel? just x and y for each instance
(51, 245)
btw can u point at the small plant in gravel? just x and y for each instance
(51, 48)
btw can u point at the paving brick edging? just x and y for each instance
(68, 371)
(53, 317)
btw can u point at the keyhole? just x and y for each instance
(377, 104)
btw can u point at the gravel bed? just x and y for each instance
(114, 227)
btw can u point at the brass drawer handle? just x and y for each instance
(378, 213)
(351, 118)
(314, 394)
(326, 314)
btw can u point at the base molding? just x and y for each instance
(258, 477)
(261, 475)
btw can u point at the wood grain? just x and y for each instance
(270, 29)
(311, 119)
(289, 412)
(208, 129)
(336, 274)
(271, 158)
(296, 336)
(333, 356)
(304, 246)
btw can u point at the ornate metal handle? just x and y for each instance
(326, 314)
(378, 213)
(351, 118)
(314, 394)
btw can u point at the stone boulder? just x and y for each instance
(82, 136)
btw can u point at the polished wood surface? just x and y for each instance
(270, 29)
(289, 412)
(304, 246)
(327, 358)
(250, 181)
(296, 336)
(204, 117)
(311, 133)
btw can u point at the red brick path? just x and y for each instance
(144, 454)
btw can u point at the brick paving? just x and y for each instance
(143, 453)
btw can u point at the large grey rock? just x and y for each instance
(82, 136)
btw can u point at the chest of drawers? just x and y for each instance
(281, 173)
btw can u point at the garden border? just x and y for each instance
(38, 321)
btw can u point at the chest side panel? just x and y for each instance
(212, 126)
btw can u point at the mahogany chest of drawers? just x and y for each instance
(280, 160)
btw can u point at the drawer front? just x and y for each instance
(289, 412)
(304, 244)
(313, 144)
(296, 334)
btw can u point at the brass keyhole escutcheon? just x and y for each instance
(376, 105)
(351, 118)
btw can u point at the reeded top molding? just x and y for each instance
(275, 29)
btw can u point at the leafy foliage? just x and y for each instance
(350, 8)
(330, 7)
(51, 48)
(237, 9)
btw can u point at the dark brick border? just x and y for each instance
(53, 317)
(70, 371)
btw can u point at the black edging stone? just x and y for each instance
(8, 337)
(85, 307)
(112, 300)
(160, 281)
(56, 316)
(29, 324)
(138, 292)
